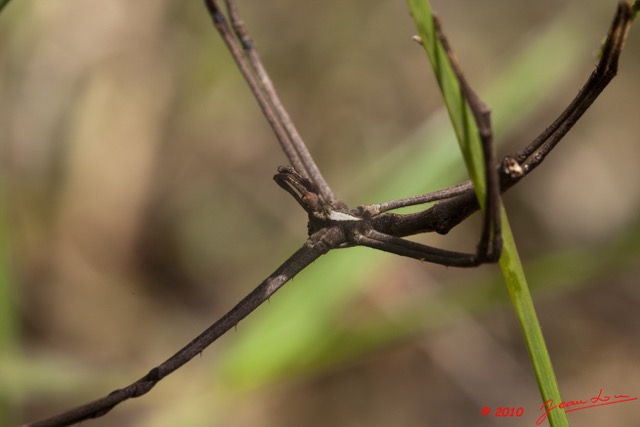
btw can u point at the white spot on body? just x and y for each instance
(341, 216)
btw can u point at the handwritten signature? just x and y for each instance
(576, 405)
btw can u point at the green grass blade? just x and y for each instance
(516, 282)
(512, 271)
(459, 111)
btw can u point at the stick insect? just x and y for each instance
(333, 225)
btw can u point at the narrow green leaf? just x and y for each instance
(512, 271)
(459, 111)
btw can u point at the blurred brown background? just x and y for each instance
(138, 206)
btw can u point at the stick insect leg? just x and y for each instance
(243, 52)
(513, 168)
(435, 196)
(490, 244)
(307, 166)
(606, 69)
(396, 245)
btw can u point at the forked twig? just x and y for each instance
(332, 225)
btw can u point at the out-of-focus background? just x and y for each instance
(137, 206)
